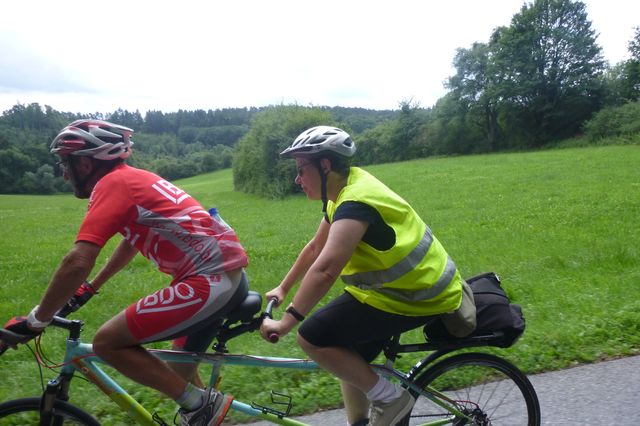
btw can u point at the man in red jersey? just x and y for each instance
(168, 227)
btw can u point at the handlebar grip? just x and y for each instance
(9, 339)
(268, 313)
(270, 305)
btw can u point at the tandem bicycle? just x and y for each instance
(452, 385)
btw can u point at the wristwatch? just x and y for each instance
(292, 311)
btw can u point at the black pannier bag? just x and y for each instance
(495, 314)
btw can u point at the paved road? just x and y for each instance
(602, 394)
(606, 393)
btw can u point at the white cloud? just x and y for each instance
(87, 56)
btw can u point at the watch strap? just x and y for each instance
(292, 311)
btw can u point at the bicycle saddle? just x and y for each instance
(245, 311)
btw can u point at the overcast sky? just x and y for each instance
(89, 56)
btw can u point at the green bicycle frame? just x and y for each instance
(80, 357)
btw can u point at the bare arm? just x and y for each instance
(74, 269)
(307, 256)
(303, 262)
(343, 237)
(121, 256)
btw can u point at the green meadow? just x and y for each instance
(560, 227)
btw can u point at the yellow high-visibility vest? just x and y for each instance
(416, 276)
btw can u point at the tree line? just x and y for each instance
(536, 82)
(174, 145)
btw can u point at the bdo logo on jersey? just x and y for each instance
(171, 298)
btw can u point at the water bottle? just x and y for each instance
(216, 216)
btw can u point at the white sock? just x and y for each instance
(192, 398)
(384, 391)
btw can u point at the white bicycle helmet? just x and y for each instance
(319, 139)
(93, 138)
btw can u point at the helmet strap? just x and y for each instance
(323, 185)
(323, 189)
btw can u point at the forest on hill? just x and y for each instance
(534, 83)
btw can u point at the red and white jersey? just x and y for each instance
(162, 221)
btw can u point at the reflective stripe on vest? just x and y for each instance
(374, 280)
(424, 293)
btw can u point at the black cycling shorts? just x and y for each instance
(346, 322)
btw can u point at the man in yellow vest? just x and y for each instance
(397, 274)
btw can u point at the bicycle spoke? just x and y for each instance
(486, 389)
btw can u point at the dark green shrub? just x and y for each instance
(622, 120)
(257, 167)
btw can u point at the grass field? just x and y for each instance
(560, 227)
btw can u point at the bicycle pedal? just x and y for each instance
(283, 400)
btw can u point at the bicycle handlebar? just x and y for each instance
(11, 339)
(268, 311)
(273, 337)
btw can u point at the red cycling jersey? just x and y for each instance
(163, 222)
(173, 231)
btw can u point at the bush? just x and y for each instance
(614, 121)
(257, 167)
(40, 182)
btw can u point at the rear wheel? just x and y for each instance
(487, 389)
(26, 411)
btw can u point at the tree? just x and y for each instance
(125, 118)
(552, 67)
(631, 70)
(40, 182)
(157, 122)
(622, 80)
(257, 167)
(372, 144)
(34, 117)
(448, 129)
(634, 45)
(476, 85)
(405, 142)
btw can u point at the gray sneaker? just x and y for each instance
(212, 412)
(390, 413)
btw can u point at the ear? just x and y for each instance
(84, 164)
(325, 166)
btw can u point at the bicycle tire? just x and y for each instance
(26, 411)
(489, 389)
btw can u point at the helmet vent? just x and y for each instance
(320, 140)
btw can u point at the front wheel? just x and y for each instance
(26, 411)
(487, 389)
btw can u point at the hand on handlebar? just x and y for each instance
(20, 332)
(270, 330)
(278, 294)
(271, 336)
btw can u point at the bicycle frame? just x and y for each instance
(79, 357)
